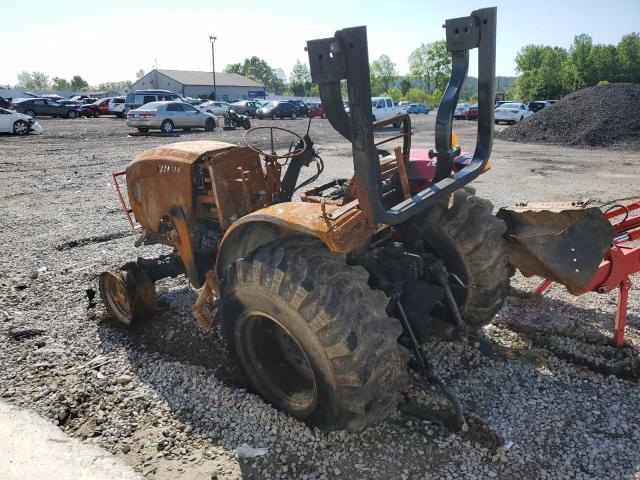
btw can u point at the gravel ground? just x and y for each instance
(555, 401)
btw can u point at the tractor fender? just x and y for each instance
(349, 231)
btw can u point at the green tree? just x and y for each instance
(549, 81)
(121, 86)
(60, 84)
(628, 57)
(24, 80)
(604, 63)
(529, 58)
(394, 93)
(431, 64)
(78, 83)
(259, 70)
(300, 79)
(405, 85)
(580, 52)
(382, 73)
(234, 68)
(33, 81)
(541, 69)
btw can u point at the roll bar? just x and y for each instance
(345, 57)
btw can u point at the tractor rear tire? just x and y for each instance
(310, 335)
(466, 236)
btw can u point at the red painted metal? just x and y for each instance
(619, 263)
(543, 286)
(125, 208)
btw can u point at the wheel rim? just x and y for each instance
(167, 127)
(293, 116)
(31, 113)
(20, 128)
(276, 364)
(116, 299)
(208, 125)
(72, 114)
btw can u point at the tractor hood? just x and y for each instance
(161, 177)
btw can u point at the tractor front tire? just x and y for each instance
(467, 237)
(128, 295)
(310, 335)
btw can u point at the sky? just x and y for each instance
(111, 40)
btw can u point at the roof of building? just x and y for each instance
(187, 77)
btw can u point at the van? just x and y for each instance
(141, 97)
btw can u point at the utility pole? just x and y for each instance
(213, 61)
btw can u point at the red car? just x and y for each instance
(472, 112)
(316, 110)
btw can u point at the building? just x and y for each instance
(200, 84)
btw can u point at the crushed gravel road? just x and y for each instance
(555, 401)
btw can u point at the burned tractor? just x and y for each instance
(321, 298)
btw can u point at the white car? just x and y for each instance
(512, 112)
(461, 111)
(116, 106)
(18, 123)
(215, 107)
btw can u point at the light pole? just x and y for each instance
(213, 61)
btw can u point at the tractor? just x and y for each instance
(321, 297)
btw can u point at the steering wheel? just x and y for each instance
(273, 155)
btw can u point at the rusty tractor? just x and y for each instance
(322, 297)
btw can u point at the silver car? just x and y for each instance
(216, 107)
(168, 116)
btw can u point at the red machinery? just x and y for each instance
(620, 261)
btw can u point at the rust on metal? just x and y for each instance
(182, 241)
(564, 242)
(402, 172)
(238, 184)
(343, 235)
(161, 177)
(204, 309)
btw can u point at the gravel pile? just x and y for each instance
(600, 116)
(163, 396)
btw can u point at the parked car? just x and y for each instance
(472, 112)
(302, 106)
(168, 116)
(103, 105)
(90, 109)
(383, 108)
(142, 97)
(18, 123)
(83, 98)
(278, 109)
(512, 112)
(540, 104)
(316, 110)
(245, 107)
(5, 103)
(461, 111)
(417, 108)
(215, 107)
(43, 106)
(116, 106)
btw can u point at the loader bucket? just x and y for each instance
(560, 242)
